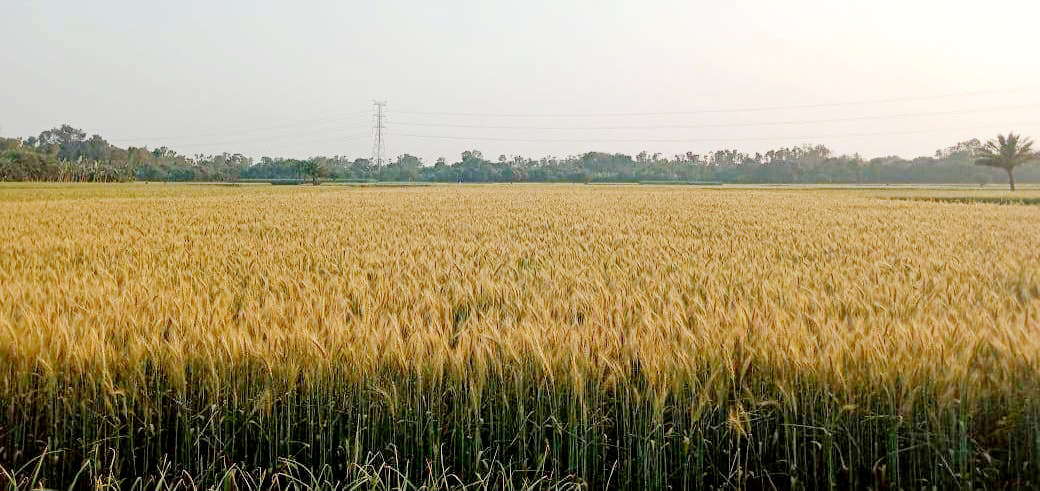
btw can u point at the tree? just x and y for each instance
(64, 142)
(25, 164)
(314, 169)
(473, 166)
(965, 149)
(361, 169)
(9, 143)
(1006, 153)
(408, 167)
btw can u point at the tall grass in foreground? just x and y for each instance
(625, 437)
(529, 338)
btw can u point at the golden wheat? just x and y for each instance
(707, 303)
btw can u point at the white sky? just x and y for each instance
(298, 78)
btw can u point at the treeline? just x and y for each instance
(66, 154)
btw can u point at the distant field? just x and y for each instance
(520, 336)
(27, 191)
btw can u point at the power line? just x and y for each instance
(726, 125)
(731, 110)
(249, 130)
(271, 137)
(706, 140)
(330, 140)
(324, 140)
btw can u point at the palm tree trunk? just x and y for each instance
(1011, 178)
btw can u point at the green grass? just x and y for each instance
(680, 183)
(997, 200)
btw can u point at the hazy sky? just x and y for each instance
(298, 78)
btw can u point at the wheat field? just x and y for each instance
(514, 336)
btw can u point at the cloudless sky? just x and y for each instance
(547, 77)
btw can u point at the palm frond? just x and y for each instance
(1006, 151)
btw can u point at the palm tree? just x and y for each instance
(1006, 153)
